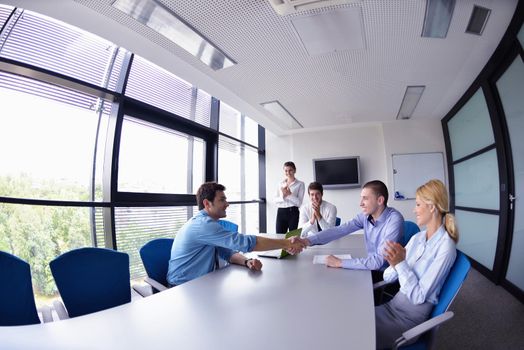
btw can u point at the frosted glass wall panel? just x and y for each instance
(478, 236)
(470, 129)
(511, 91)
(477, 182)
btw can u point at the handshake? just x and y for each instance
(296, 245)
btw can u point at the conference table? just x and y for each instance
(290, 304)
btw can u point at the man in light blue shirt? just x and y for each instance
(380, 224)
(202, 240)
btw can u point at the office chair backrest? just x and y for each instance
(338, 221)
(456, 277)
(228, 225)
(450, 289)
(155, 256)
(410, 228)
(92, 279)
(17, 302)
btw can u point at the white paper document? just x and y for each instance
(321, 259)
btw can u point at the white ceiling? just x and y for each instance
(327, 90)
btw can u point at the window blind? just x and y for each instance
(137, 226)
(44, 42)
(160, 88)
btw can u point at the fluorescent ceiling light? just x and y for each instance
(284, 117)
(331, 31)
(438, 18)
(410, 101)
(165, 22)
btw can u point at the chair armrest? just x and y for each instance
(47, 313)
(422, 328)
(143, 290)
(382, 284)
(155, 284)
(60, 310)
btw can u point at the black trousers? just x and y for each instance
(287, 219)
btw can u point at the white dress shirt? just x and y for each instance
(423, 272)
(329, 216)
(294, 199)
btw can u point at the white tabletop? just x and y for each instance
(290, 304)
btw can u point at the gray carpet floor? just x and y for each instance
(486, 317)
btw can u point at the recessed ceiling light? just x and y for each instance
(410, 101)
(285, 118)
(165, 22)
(478, 20)
(438, 18)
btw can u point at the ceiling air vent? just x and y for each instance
(478, 19)
(287, 7)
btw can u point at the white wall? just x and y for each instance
(364, 141)
(410, 136)
(374, 143)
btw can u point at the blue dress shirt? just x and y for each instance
(427, 264)
(388, 227)
(193, 251)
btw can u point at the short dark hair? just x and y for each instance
(315, 186)
(208, 191)
(290, 164)
(379, 188)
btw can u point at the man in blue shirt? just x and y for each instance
(380, 223)
(202, 240)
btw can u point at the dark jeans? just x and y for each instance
(287, 219)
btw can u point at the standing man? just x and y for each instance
(380, 223)
(318, 214)
(202, 240)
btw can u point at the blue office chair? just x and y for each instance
(338, 221)
(155, 256)
(427, 330)
(228, 225)
(410, 228)
(17, 302)
(90, 280)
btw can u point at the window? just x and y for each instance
(47, 140)
(238, 169)
(234, 124)
(137, 226)
(58, 149)
(37, 234)
(155, 159)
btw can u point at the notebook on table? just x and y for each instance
(280, 253)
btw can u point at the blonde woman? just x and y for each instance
(421, 267)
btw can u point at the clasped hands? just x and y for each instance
(394, 253)
(297, 244)
(315, 213)
(285, 191)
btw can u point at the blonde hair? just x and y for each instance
(434, 192)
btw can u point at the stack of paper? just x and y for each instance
(321, 259)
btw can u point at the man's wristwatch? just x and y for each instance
(246, 261)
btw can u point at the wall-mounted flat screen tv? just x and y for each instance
(343, 172)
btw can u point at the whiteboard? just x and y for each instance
(415, 169)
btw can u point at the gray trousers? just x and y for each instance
(396, 317)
